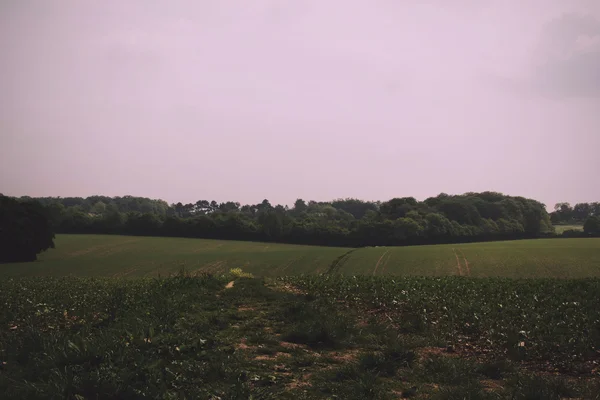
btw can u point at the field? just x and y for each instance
(559, 258)
(561, 228)
(427, 322)
(207, 337)
(127, 256)
(130, 256)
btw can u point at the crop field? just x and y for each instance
(311, 337)
(423, 322)
(558, 258)
(130, 256)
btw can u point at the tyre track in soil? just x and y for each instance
(379, 261)
(286, 266)
(335, 266)
(466, 262)
(460, 271)
(385, 263)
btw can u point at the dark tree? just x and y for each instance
(300, 206)
(582, 211)
(397, 207)
(229, 206)
(356, 207)
(592, 226)
(25, 230)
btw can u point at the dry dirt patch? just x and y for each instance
(288, 345)
(271, 357)
(344, 356)
(242, 345)
(289, 289)
(303, 381)
(427, 352)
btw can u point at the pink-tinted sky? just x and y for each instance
(246, 100)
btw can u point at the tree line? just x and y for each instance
(27, 224)
(343, 222)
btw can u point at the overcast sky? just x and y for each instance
(246, 100)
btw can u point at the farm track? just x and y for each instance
(379, 261)
(458, 266)
(338, 262)
(385, 263)
(466, 262)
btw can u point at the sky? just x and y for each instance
(285, 99)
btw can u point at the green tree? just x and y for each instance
(271, 222)
(592, 226)
(582, 211)
(460, 210)
(25, 230)
(300, 206)
(397, 207)
(406, 229)
(356, 207)
(229, 206)
(99, 208)
(564, 211)
(113, 221)
(437, 225)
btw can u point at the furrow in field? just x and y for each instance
(385, 263)
(460, 272)
(379, 261)
(466, 262)
(338, 262)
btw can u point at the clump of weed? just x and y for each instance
(260, 337)
(351, 381)
(399, 354)
(386, 363)
(305, 360)
(449, 370)
(238, 273)
(469, 391)
(497, 369)
(365, 386)
(317, 334)
(592, 390)
(317, 326)
(220, 322)
(532, 387)
(266, 350)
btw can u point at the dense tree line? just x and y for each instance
(99, 205)
(342, 222)
(25, 230)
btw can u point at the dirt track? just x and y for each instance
(379, 261)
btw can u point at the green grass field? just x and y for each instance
(558, 258)
(561, 228)
(129, 256)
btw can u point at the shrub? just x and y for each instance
(238, 273)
